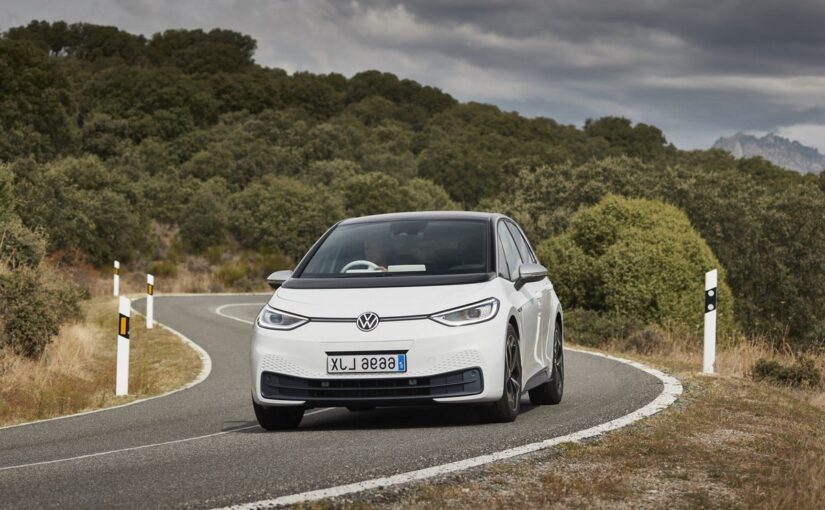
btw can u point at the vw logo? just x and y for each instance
(367, 321)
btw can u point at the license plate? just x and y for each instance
(366, 363)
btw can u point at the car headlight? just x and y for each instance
(469, 314)
(271, 318)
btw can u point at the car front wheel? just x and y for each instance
(278, 418)
(508, 406)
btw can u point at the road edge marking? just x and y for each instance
(206, 369)
(671, 389)
(145, 446)
(219, 311)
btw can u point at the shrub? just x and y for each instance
(231, 274)
(283, 215)
(162, 269)
(802, 373)
(204, 219)
(637, 259)
(20, 246)
(591, 328)
(374, 193)
(424, 195)
(33, 306)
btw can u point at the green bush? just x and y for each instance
(802, 373)
(592, 329)
(20, 246)
(33, 305)
(424, 195)
(281, 214)
(638, 259)
(204, 219)
(162, 269)
(374, 193)
(231, 274)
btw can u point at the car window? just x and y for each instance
(503, 271)
(402, 248)
(510, 250)
(521, 243)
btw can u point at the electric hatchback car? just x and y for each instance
(410, 308)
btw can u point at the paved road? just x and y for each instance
(238, 462)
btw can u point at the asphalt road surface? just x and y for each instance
(202, 448)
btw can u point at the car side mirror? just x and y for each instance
(278, 278)
(530, 272)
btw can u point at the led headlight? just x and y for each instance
(469, 314)
(271, 318)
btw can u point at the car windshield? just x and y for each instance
(401, 248)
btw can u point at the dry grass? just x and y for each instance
(77, 371)
(729, 442)
(735, 358)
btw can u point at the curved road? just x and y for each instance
(202, 448)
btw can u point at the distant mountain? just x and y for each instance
(779, 151)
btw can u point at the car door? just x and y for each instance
(541, 292)
(525, 300)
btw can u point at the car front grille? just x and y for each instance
(389, 389)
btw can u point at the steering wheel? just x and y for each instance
(372, 266)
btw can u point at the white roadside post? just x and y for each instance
(122, 374)
(116, 280)
(150, 301)
(709, 359)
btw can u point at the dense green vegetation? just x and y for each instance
(636, 258)
(108, 139)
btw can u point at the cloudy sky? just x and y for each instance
(697, 69)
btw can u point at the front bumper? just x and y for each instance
(383, 391)
(457, 364)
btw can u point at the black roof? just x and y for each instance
(426, 215)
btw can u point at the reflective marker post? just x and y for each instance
(709, 359)
(150, 301)
(122, 374)
(116, 280)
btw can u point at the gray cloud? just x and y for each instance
(696, 69)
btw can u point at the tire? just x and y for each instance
(278, 418)
(358, 408)
(507, 408)
(552, 391)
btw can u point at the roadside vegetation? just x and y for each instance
(728, 443)
(76, 372)
(178, 154)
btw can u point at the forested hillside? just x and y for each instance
(150, 150)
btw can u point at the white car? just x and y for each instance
(410, 308)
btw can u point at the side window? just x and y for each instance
(502, 261)
(510, 250)
(521, 243)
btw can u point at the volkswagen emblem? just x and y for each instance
(367, 321)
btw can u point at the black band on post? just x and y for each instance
(710, 300)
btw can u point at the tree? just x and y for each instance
(281, 214)
(639, 259)
(374, 193)
(36, 106)
(204, 219)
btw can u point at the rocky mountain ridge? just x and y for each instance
(776, 149)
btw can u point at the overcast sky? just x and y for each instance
(697, 69)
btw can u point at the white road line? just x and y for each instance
(219, 311)
(144, 446)
(672, 388)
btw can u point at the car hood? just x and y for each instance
(386, 302)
